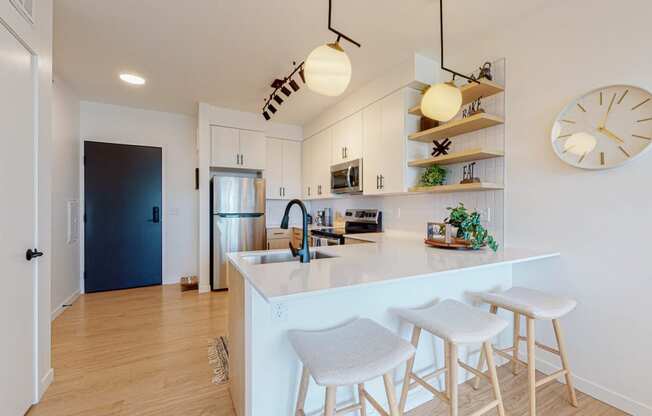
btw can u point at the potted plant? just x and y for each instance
(469, 228)
(433, 176)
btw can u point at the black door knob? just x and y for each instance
(30, 254)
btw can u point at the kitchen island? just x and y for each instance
(270, 295)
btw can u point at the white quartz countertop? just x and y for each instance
(390, 257)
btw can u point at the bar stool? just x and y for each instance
(456, 323)
(346, 356)
(534, 305)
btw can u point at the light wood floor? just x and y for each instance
(144, 352)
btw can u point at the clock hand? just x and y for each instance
(609, 134)
(604, 120)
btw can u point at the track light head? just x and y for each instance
(302, 74)
(285, 90)
(278, 99)
(271, 108)
(266, 115)
(293, 84)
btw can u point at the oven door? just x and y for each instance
(346, 178)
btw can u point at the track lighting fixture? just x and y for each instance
(282, 85)
(293, 84)
(285, 90)
(271, 108)
(443, 101)
(278, 99)
(328, 67)
(266, 115)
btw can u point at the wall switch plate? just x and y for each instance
(279, 312)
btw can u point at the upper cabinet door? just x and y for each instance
(308, 169)
(321, 162)
(394, 143)
(274, 169)
(252, 150)
(225, 147)
(291, 169)
(373, 149)
(347, 139)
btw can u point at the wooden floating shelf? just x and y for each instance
(465, 156)
(457, 127)
(470, 93)
(462, 187)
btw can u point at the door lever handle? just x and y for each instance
(32, 254)
(156, 215)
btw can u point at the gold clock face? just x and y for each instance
(604, 128)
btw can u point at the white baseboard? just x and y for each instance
(204, 288)
(597, 391)
(44, 383)
(69, 301)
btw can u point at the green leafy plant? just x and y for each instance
(433, 176)
(469, 227)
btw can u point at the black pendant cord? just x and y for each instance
(339, 34)
(441, 38)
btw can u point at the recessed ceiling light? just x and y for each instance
(132, 79)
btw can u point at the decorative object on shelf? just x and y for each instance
(469, 174)
(426, 123)
(328, 67)
(469, 229)
(474, 108)
(441, 149)
(485, 73)
(443, 101)
(433, 176)
(604, 128)
(282, 85)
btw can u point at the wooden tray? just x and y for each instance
(457, 243)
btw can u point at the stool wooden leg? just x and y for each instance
(391, 394)
(489, 352)
(416, 333)
(362, 399)
(452, 377)
(329, 408)
(564, 361)
(517, 335)
(303, 390)
(531, 366)
(476, 382)
(447, 361)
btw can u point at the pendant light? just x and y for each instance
(327, 69)
(443, 101)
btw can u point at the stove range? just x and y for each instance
(357, 221)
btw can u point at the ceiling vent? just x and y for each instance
(25, 8)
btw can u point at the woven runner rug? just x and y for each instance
(218, 358)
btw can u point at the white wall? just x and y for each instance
(211, 115)
(65, 187)
(175, 133)
(599, 221)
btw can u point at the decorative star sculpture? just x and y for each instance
(442, 148)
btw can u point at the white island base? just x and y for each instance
(265, 370)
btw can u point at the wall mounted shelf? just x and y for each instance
(465, 187)
(458, 157)
(457, 127)
(470, 93)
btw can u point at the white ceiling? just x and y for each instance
(226, 52)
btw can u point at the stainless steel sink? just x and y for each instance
(282, 257)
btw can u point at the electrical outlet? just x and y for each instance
(279, 312)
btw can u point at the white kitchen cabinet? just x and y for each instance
(252, 150)
(283, 169)
(307, 170)
(386, 125)
(347, 139)
(225, 147)
(233, 148)
(321, 164)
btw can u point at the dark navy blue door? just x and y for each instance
(122, 225)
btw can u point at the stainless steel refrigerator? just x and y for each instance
(238, 221)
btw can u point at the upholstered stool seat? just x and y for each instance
(348, 355)
(456, 323)
(532, 303)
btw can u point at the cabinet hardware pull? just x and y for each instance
(377, 182)
(382, 180)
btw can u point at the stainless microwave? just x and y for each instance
(346, 178)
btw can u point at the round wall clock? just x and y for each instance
(605, 128)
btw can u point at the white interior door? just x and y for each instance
(17, 226)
